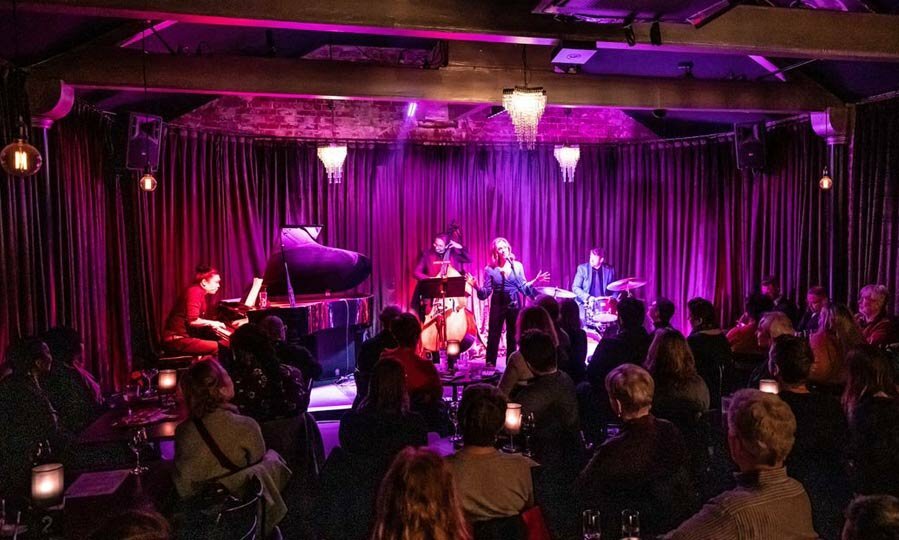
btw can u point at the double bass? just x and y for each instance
(449, 319)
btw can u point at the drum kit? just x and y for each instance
(602, 311)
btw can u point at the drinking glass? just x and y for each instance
(630, 525)
(453, 408)
(136, 444)
(528, 426)
(130, 396)
(591, 524)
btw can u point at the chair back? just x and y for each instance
(506, 528)
(299, 441)
(243, 518)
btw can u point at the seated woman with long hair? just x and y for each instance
(679, 388)
(264, 388)
(871, 403)
(418, 500)
(518, 374)
(837, 333)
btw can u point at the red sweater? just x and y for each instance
(422, 379)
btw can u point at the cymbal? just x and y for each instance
(626, 284)
(555, 292)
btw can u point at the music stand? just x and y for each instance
(441, 288)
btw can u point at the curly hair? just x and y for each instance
(417, 500)
(764, 423)
(206, 386)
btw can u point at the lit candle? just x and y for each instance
(768, 385)
(452, 348)
(513, 418)
(46, 484)
(168, 379)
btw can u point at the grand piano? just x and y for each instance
(323, 316)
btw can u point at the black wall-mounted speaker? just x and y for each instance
(144, 141)
(749, 140)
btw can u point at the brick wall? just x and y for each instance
(387, 121)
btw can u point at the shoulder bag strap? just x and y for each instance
(214, 447)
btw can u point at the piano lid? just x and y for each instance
(314, 268)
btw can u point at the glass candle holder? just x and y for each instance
(769, 385)
(47, 485)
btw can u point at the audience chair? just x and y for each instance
(243, 519)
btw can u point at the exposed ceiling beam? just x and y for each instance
(277, 77)
(743, 30)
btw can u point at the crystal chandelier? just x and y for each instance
(333, 155)
(525, 106)
(567, 156)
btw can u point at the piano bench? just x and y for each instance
(181, 361)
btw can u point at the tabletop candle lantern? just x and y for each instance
(513, 425)
(168, 379)
(768, 385)
(47, 485)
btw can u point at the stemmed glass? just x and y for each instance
(136, 444)
(630, 525)
(454, 418)
(528, 426)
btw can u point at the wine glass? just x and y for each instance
(630, 524)
(528, 426)
(592, 527)
(454, 418)
(136, 444)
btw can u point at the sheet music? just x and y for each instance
(254, 292)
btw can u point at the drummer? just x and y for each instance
(593, 277)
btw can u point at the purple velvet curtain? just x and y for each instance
(81, 248)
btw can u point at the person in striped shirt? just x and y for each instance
(766, 503)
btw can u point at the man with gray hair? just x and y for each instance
(766, 502)
(877, 327)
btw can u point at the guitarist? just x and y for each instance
(443, 248)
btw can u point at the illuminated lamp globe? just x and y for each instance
(20, 158)
(147, 182)
(826, 182)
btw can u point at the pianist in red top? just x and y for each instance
(190, 327)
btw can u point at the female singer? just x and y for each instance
(190, 327)
(504, 279)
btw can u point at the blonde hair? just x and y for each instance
(206, 386)
(632, 386)
(764, 424)
(777, 324)
(494, 249)
(418, 500)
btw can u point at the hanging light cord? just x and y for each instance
(524, 63)
(143, 65)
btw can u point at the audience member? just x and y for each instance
(418, 499)
(679, 390)
(770, 287)
(216, 445)
(27, 417)
(264, 388)
(575, 370)
(491, 484)
(816, 298)
(818, 457)
(422, 380)
(874, 517)
(710, 348)
(517, 374)
(370, 438)
(871, 402)
(383, 425)
(628, 346)
(134, 525)
(73, 391)
(660, 312)
(877, 327)
(837, 333)
(766, 503)
(644, 467)
(772, 325)
(371, 349)
(742, 337)
(570, 316)
(288, 353)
